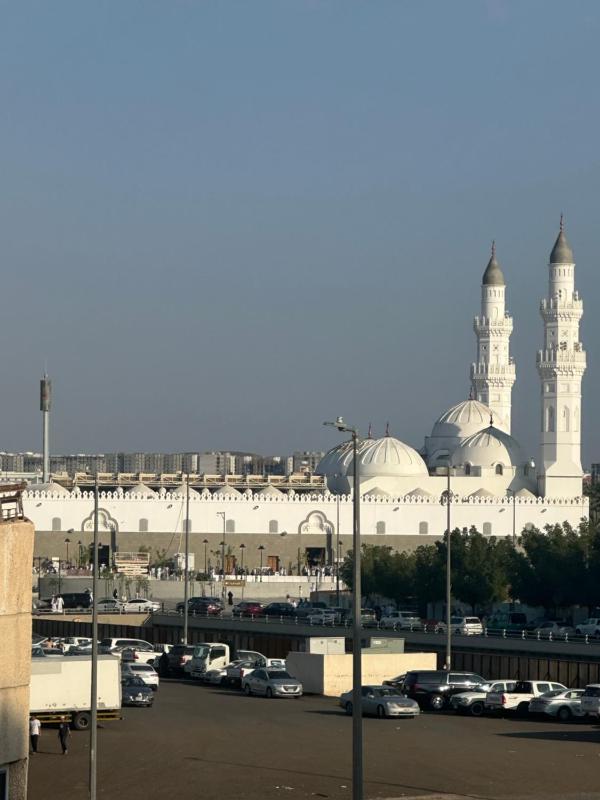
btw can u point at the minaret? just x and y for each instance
(45, 405)
(561, 365)
(493, 374)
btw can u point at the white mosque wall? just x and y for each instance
(300, 514)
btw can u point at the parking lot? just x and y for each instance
(214, 744)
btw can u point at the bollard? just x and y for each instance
(504, 633)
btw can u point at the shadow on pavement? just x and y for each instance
(578, 735)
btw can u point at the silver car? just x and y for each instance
(382, 701)
(563, 705)
(271, 683)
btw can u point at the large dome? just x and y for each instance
(388, 458)
(336, 460)
(462, 420)
(488, 448)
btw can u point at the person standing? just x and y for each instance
(35, 727)
(64, 732)
(60, 605)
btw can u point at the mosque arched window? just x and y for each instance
(487, 528)
(566, 419)
(499, 469)
(423, 527)
(273, 526)
(549, 421)
(56, 524)
(380, 527)
(143, 525)
(230, 526)
(467, 469)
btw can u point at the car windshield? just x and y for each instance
(386, 691)
(555, 693)
(133, 681)
(201, 651)
(472, 620)
(280, 674)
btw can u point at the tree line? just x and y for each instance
(553, 568)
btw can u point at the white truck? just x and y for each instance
(216, 655)
(518, 699)
(61, 687)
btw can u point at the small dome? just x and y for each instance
(49, 488)
(482, 493)
(462, 420)
(227, 491)
(561, 252)
(493, 274)
(390, 458)
(182, 490)
(140, 488)
(488, 448)
(376, 491)
(337, 460)
(418, 492)
(525, 493)
(269, 491)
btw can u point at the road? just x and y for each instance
(203, 742)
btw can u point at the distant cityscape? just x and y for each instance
(205, 463)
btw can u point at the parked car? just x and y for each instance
(144, 671)
(590, 700)
(518, 699)
(382, 701)
(203, 606)
(178, 656)
(247, 608)
(134, 606)
(466, 626)
(322, 616)
(279, 610)
(590, 626)
(473, 702)
(552, 629)
(68, 643)
(397, 682)
(134, 692)
(506, 621)
(433, 688)
(142, 651)
(368, 618)
(563, 705)
(271, 683)
(401, 620)
(305, 608)
(237, 671)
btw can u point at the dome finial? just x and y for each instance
(562, 223)
(471, 394)
(370, 432)
(387, 428)
(561, 252)
(493, 248)
(491, 420)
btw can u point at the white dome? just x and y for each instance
(182, 490)
(389, 458)
(49, 488)
(418, 492)
(376, 491)
(227, 491)
(140, 488)
(488, 448)
(482, 493)
(337, 460)
(462, 420)
(269, 491)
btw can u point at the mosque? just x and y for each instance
(493, 485)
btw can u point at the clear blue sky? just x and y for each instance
(223, 223)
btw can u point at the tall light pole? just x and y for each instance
(205, 543)
(222, 514)
(337, 553)
(242, 548)
(79, 546)
(67, 542)
(94, 681)
(186, 589)
(357, 743)
(261, 548)
(448, 663)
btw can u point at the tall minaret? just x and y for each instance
(493, 374)
(561, 365)
(45, 405)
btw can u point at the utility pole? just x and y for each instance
(448, 663)
(186, 590)
(94, 682)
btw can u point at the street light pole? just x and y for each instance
(94, 681)
(261, 547)
(205, 543)
(222, 514)
(186, 590)
(357, 742)
(242, 548)
(448, 663)
(67, 542)
(337, 554)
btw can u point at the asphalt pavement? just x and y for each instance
(214, 744)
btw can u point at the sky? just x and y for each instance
(223, 223)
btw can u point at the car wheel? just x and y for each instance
(381, 712)
(247, 690)
(436, 702)
(457, 632)
(522, 709)
(269, 692)
(348, 708)
(82, 721)
(564, 714)
(223, 682)
(477, 709)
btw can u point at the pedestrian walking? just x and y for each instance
(64, 732)
(115, 594)
(35, 727)
(230, 597)
(60, 605)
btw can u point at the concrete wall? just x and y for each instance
(16, 552)
(331, 675)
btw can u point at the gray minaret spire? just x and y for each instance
(45, 405)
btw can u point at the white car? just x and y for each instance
(143, 652)
(322, 616)
(474, 702)
(135, 606)
(590, 626)
(564, 705)
(271, 683)
(144, 671)
(553, 630)
(590, 700)
(401, 620)
(466, 626)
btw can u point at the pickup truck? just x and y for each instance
(473, 702)
(518, 699)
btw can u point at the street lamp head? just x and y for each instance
(204, 541)
(341, 426)
(261, 547)
(242, 547)
(67, 540)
